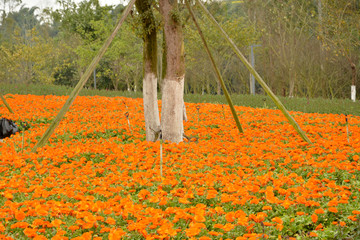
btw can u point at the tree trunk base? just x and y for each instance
(172, 110)
(151, 109)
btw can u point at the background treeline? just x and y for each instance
(307, 48)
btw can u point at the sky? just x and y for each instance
(52, 3)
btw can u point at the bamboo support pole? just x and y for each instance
(217, 72)
(6, 104)
(255, 74)
(82, 81)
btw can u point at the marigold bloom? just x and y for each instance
(211, 194)
(116, 234)
(314, 218)
(266, 208)
(319, 211)
(277, 220)
(319, 226)
(110, 221)
(279, 227)
(20, 215)
(40, 237)
(352, 218)
(199, 218)
(191, 232)
(20, 225)
(230, 217)
(30, 233)
(333, 209)
(356, 212)
(204, 238)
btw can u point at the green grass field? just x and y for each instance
(318, 105)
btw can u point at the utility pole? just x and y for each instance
(252, 60)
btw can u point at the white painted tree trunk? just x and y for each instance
(353, 93)
(151, 109)
(173, 84)
(172, 110)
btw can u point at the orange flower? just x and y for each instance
(56, 222)
(320, 226)
(266, 208)
(319, 211)
(184, 201)
(116, 234)
(204, 238)
(191, 232)
(230, 217)
(279, 227)
(8, 195)
(85, 236)
(243, 221)
(40, 237)
(314, 218)
(110, 221)
(277, 220)
(228, 227)
(199, 218)
(313, 234)
(211, 194)
(30, 233)
(74, 228)
(333, 209)
(352, 218)
(213, 233)
(143, 194)
(20, 215)
(20, 225)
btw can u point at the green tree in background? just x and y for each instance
(308, 48)
(200, 77)
(90, 24)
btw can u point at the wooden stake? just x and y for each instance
(255, 74)
(217, 72)
(82, 81)
(23, 140)
(347, 128)
(127, 117)
(198, 111)
(161, 159)
(6, 104)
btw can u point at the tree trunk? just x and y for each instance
(208, 89)
(218, 88)
(173, 88)
(128, 84)
(354, 73)
(151, 109)
(292, 81)
(353, 82)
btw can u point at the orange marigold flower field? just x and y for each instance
(99, 179)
